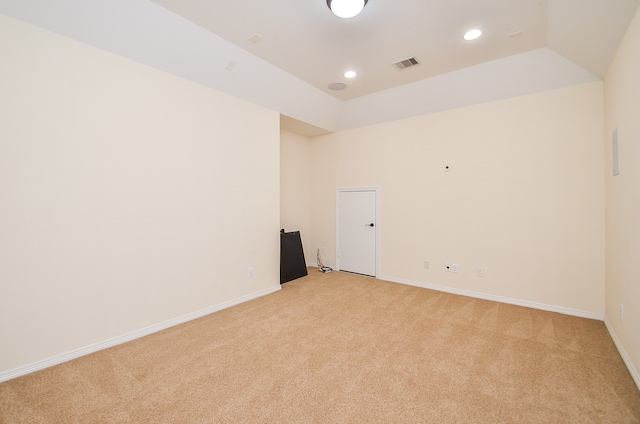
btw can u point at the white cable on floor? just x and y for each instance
(321, 266)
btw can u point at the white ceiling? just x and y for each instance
(305, 39)
(305, 48)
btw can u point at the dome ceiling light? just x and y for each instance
(346, 8)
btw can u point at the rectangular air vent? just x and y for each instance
(407, 63)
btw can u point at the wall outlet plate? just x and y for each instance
(451, 268)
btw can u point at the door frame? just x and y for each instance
(377, 227)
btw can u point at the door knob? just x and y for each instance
(369, 225)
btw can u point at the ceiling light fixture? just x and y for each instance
(346, 8)
(473, 34)
(350, 74)
(337, 86)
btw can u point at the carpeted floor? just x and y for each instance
(340, 348)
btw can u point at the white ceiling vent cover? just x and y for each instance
(407, 63)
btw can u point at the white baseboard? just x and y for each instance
(567, 311)
(501, 299)
(623, 353)
(59, 359)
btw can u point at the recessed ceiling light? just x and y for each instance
(473, 34)
(350, 74)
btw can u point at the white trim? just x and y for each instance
(623, 353)
(552, 308)
(501, 299)
(378, 223)
(77, 353)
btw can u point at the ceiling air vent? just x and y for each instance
(407, 63)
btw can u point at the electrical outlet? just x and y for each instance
(621, 312)
(250, 272)
(426, 264)
(480, 272)
(323, 250)
(454, 268)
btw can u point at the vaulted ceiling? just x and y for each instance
(284, 54)
(305, 39)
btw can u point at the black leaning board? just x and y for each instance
(292, 264)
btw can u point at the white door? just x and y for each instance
(357, 229)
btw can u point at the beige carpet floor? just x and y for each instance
(340, 348)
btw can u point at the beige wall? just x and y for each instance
(524, 199)
(622, 106)
(128, 197)
(295, 185)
